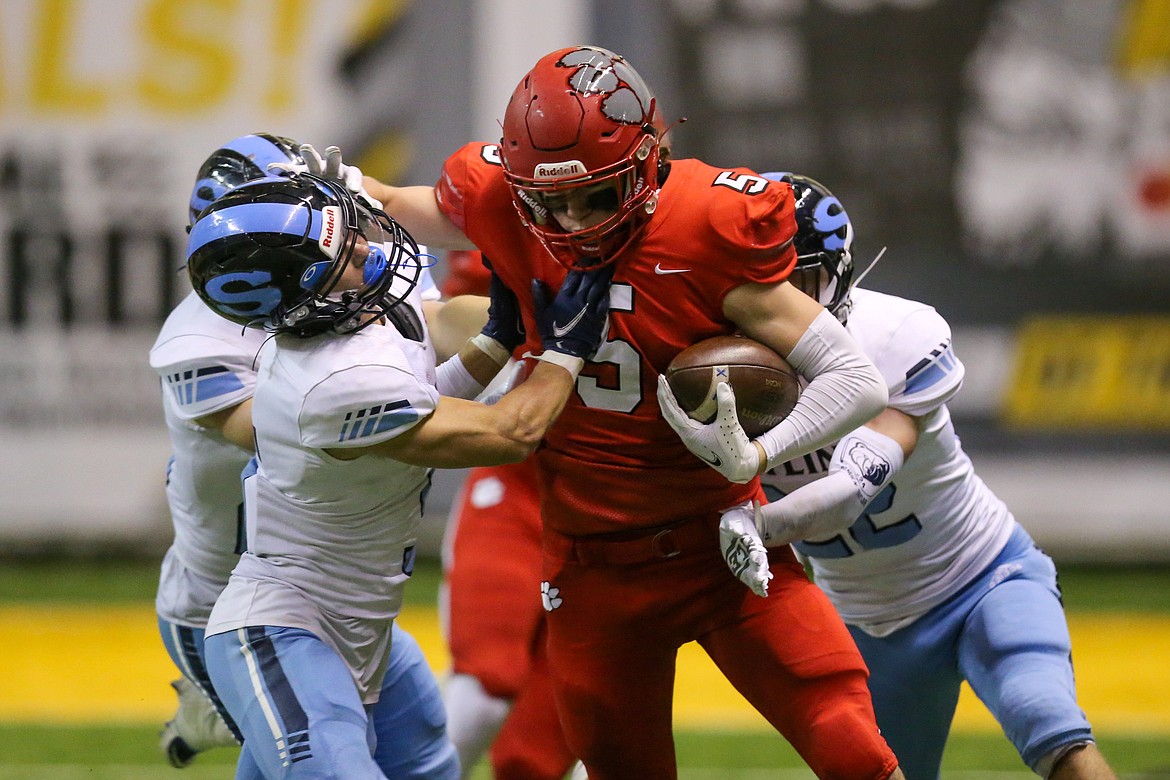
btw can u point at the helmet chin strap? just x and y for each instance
(868, 268)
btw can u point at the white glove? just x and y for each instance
(330, 167)
(742, 547)
(721, 444)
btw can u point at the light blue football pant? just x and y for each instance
(308, 720)
(1006, 634)
(184, 645)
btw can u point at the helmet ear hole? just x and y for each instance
(314, 274)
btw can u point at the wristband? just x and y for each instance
(453, 380)
(568, 362)
(492, 348)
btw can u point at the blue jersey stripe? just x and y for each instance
(376, 419)
(931, 370)
(212, 387)
(931, 375)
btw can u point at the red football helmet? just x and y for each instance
(583, 118)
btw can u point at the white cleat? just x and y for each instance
(195, 727)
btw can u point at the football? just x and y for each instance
(766, 387)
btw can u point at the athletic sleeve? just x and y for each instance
(363, 405)
(203, 374)
(919, 363)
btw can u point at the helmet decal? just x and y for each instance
(244, 293)
(330, 238)
(829, 218)
(562, 170)
(597, 70)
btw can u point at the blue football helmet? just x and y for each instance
(823, 242)
(270, 254)
(238, 161)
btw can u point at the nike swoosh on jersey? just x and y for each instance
(561, 330)
(658, 269)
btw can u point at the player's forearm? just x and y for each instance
(818, 509)
(462, 434)
(416, 210)
(531, 408)
(864, 463)
(844, 392)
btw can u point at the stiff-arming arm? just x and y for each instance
(461, 433)
(412, 207)
(416, 210)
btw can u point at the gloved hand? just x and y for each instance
(573, 323)
(744, 551)
(329, 167)
(504, 323)
(721, 444)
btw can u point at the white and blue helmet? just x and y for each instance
(271, 252)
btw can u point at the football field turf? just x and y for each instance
(84, 684)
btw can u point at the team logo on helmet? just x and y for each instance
(595, 71)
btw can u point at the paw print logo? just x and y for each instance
(626, 98)
(550, 596)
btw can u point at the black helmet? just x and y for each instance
(270, 253)
(823, 242)
(236, 162)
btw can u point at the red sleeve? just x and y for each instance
(465, 173)
(758, 230)
(466, 274)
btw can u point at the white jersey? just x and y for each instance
(205, 364)
(330, 542)
(937, 525)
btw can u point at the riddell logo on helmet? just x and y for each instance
(330, 231)
(561, 170)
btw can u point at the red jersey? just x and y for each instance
(466, 274)
(610, 462)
